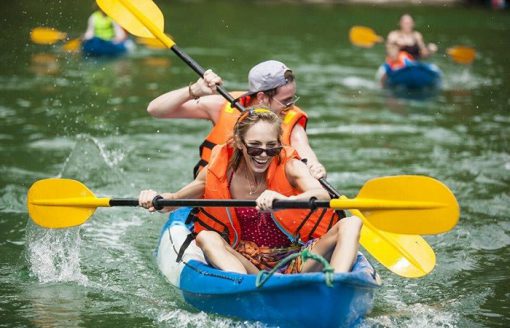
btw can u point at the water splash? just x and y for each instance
(90, 160)
(54, 255)
(183, 318)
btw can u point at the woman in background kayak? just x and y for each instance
(406, 44)
(254, 165)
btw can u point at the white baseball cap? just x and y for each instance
(266, 76)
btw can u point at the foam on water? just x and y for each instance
(54, 255)
(183, 318)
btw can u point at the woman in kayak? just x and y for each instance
(406, 43)
(254, 165)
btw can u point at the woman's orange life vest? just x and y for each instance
(300, 225)
(222, 130)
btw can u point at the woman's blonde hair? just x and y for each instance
(248, 119)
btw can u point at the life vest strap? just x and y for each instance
(200, 163)
(189, 238)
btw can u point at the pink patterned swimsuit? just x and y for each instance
(259, 227)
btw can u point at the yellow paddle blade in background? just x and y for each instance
(46, 209)
(438, 218)
(142, 18)
(72, 45)
(46, 35)
(462, 54)
(364, 37)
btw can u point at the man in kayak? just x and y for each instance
(406, 44)
(271, 84)
(255, 165)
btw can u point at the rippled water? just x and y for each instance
(68, 117)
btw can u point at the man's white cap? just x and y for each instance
(266, 76)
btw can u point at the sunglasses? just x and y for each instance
(256, 151)
(288, 104)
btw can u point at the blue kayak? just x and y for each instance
(97, 47)
(416, 75)
(290, 300)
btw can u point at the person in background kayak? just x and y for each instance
(103, 27)
(271, 84)
(254, 165)
(406, 45)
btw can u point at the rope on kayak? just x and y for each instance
(263, 276)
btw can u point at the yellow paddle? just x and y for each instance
(62, 203)
(49, 35)
(365, 37)
(46, 35)
(389, 202)
(462, 54)
(407, 255)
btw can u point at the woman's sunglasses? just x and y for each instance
(256, 151)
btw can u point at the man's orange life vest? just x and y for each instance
(298, 224)
(222, 130)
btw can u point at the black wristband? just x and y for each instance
(155, 202)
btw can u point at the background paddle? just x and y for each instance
(408, 256)
(365, 37)
(52, 198)
(144, 19)
(49, 36)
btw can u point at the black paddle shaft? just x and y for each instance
(278, 204)
(200, 71)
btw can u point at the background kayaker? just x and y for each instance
(271, 84)
(407, 42)
(101, 26)
(254, 165)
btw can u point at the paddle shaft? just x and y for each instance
(330, 189)
(200, 71)
(277, 204)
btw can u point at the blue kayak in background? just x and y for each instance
(285, 300)
(416, 75)
(97, 47)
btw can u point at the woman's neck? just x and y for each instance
(253, 177)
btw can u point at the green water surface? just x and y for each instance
(61, 115)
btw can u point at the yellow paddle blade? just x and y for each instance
(408, 256)
(72, 45)
(440, 211)
(462, 54)
(142, 18)
(152, 43)
(363, 36)
(46, 35)
(61, 203)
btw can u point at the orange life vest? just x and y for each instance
(298, 224)
(403, 60)
(222, 130)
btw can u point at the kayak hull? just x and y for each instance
(297, 300)
(96, 47)
(414, 76)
